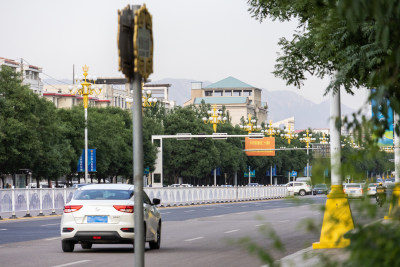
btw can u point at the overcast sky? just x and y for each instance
(205, 40)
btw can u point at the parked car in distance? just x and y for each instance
(371, 189)
(103, 214)
(353, 190)
(320, 189)
(253, 184)
(300, 188)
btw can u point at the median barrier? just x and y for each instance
(41, 200)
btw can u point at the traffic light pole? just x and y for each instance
(138, 170)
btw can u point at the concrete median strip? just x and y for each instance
(71, 263)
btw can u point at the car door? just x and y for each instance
(149, 217)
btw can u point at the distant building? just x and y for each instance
(285, 123)
(115, 92)
(30, 73)
(239, 98)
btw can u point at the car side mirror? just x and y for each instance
(156, 201)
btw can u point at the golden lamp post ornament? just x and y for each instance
(250, 125)
(324, 139)
(215, 117)
(270, 131)
(307, 138)
(85, 88)
(289, 134)
(147, 100)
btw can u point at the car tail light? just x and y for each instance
(97, 237)
(72, 208)
(124, 208)
(361, 191)
(127, 230)
(369, 188)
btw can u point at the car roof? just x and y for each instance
(107, 186)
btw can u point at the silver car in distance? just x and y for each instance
(103, 214)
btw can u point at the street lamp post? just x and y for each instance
(271, 132)
(307, 138)
(250, 125)
(215, 117)
(85, 88)
(289, 134)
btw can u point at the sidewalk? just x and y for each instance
(313, 257)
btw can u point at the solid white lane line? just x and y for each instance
(3, 229)
(50, 224)
(258, 225)
(53, 238)
(243, 212)
(283, 221)
(188, 210)
(231, 231)
(192, 239)
(244, 206)
(218, 216)
(165, 212)
(71, 263)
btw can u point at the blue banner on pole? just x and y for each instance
(252, 173)
(309, 171)
(91, 161)
(268, 172)
(218, 171)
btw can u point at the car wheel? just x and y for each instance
(67, 246)
(86, 245)
(302, 193)
(156, 244)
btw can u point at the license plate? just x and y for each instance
(97, 219)
(352, 191)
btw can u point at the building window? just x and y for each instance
(217, 93)
(237, 93)
(247, 93)
(228, 93)
(208, 93)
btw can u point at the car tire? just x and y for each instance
(302, 193)
(86, 245)
(67, 246)
(156, 244)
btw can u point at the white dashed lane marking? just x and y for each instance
(231, 231)
(71, 263)
(193, 239)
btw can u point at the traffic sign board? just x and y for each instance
(294, 173)
(143, 42)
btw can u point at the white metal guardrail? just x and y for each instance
(52, 199)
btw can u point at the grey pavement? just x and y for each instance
(314, 257)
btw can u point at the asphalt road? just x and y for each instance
(206, 235)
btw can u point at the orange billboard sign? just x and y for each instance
(260, 143)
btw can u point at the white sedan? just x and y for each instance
(103, 214)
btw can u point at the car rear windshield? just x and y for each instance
(353, 186)
(103, 194)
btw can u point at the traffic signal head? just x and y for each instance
(125, 41)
